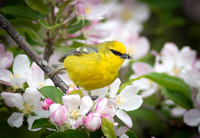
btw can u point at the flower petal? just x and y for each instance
(58, 114)
(21, 64)
(99, 92)
(92, 122)
(114, 87)
(86, 104)
(72, 101)
(124, 117)
(186, 57)
(141, 68)
(140, 47)
(169, 53)
(121, 131)
(100, 105)
(32, 96)
(16, 119)
(5, 76)
(13, 99)
(6, 60)
(30, 121)
(192, 117)
(38, 110)
(80, 7)
(130, 101)
(97, 12)
(35, 76)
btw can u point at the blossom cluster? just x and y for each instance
(180, 63)
(75, 111)
(79, 109)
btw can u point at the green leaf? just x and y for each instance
(53, 93)
(73, 26)
(47, 26)
(79, 92)
(130, 134)
(61, 9)
(170, 82)
(43, 123)
(107, 128)
(68, 134)
(97, 134)
(179, 98)
(37, 5)
(22, 11)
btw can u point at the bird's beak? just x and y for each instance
(126, 56)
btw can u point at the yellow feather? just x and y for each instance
(95, 70)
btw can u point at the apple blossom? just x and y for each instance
(27, 105)
(129, 10)
(91, 9)
(127, 100)
(20, 66)
(173, 60)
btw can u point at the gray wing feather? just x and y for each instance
(79, 51)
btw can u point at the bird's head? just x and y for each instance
(117, 49)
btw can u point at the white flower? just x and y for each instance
(20, 66)
(173, 60)
(28, 104)
(91, 10)
(127, 100)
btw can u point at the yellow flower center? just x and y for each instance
(176, 70)
(15, 76)
(74, 114)
(41, 84)
(127, 15)
(27, 109)
(119, 100)
(88, 9)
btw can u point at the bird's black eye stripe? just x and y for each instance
(115, 52)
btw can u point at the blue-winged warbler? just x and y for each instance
(96, 66)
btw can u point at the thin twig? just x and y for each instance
(32, 54)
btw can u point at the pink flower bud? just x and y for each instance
(58, 114)
(93, 121)
(47, 102)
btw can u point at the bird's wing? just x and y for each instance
(79, 51)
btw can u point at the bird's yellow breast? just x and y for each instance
(94, 70)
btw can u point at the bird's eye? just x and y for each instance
(115, 52)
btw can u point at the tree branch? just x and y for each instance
(32, 54)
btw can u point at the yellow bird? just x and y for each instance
(96, 66)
